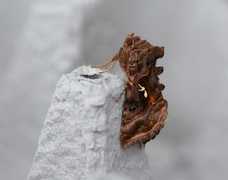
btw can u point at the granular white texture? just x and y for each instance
(80, 139)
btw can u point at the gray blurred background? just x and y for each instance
(42, 39)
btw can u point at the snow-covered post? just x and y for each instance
(80, 138)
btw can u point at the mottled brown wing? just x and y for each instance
(145, 110)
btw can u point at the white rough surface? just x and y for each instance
(80, 139)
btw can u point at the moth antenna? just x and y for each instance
(161, 87)
(122, 92)
(158, 70)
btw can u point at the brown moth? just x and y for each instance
(145, 110)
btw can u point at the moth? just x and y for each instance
(145, 110)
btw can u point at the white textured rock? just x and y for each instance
(80, 139)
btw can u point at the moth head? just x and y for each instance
(134, 60)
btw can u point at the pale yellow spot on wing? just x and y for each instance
(145, 94)
(143, 89)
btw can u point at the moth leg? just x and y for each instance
(104, 64)
(122, 92)
(143, 144)
(114, 59)
(108, 68)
